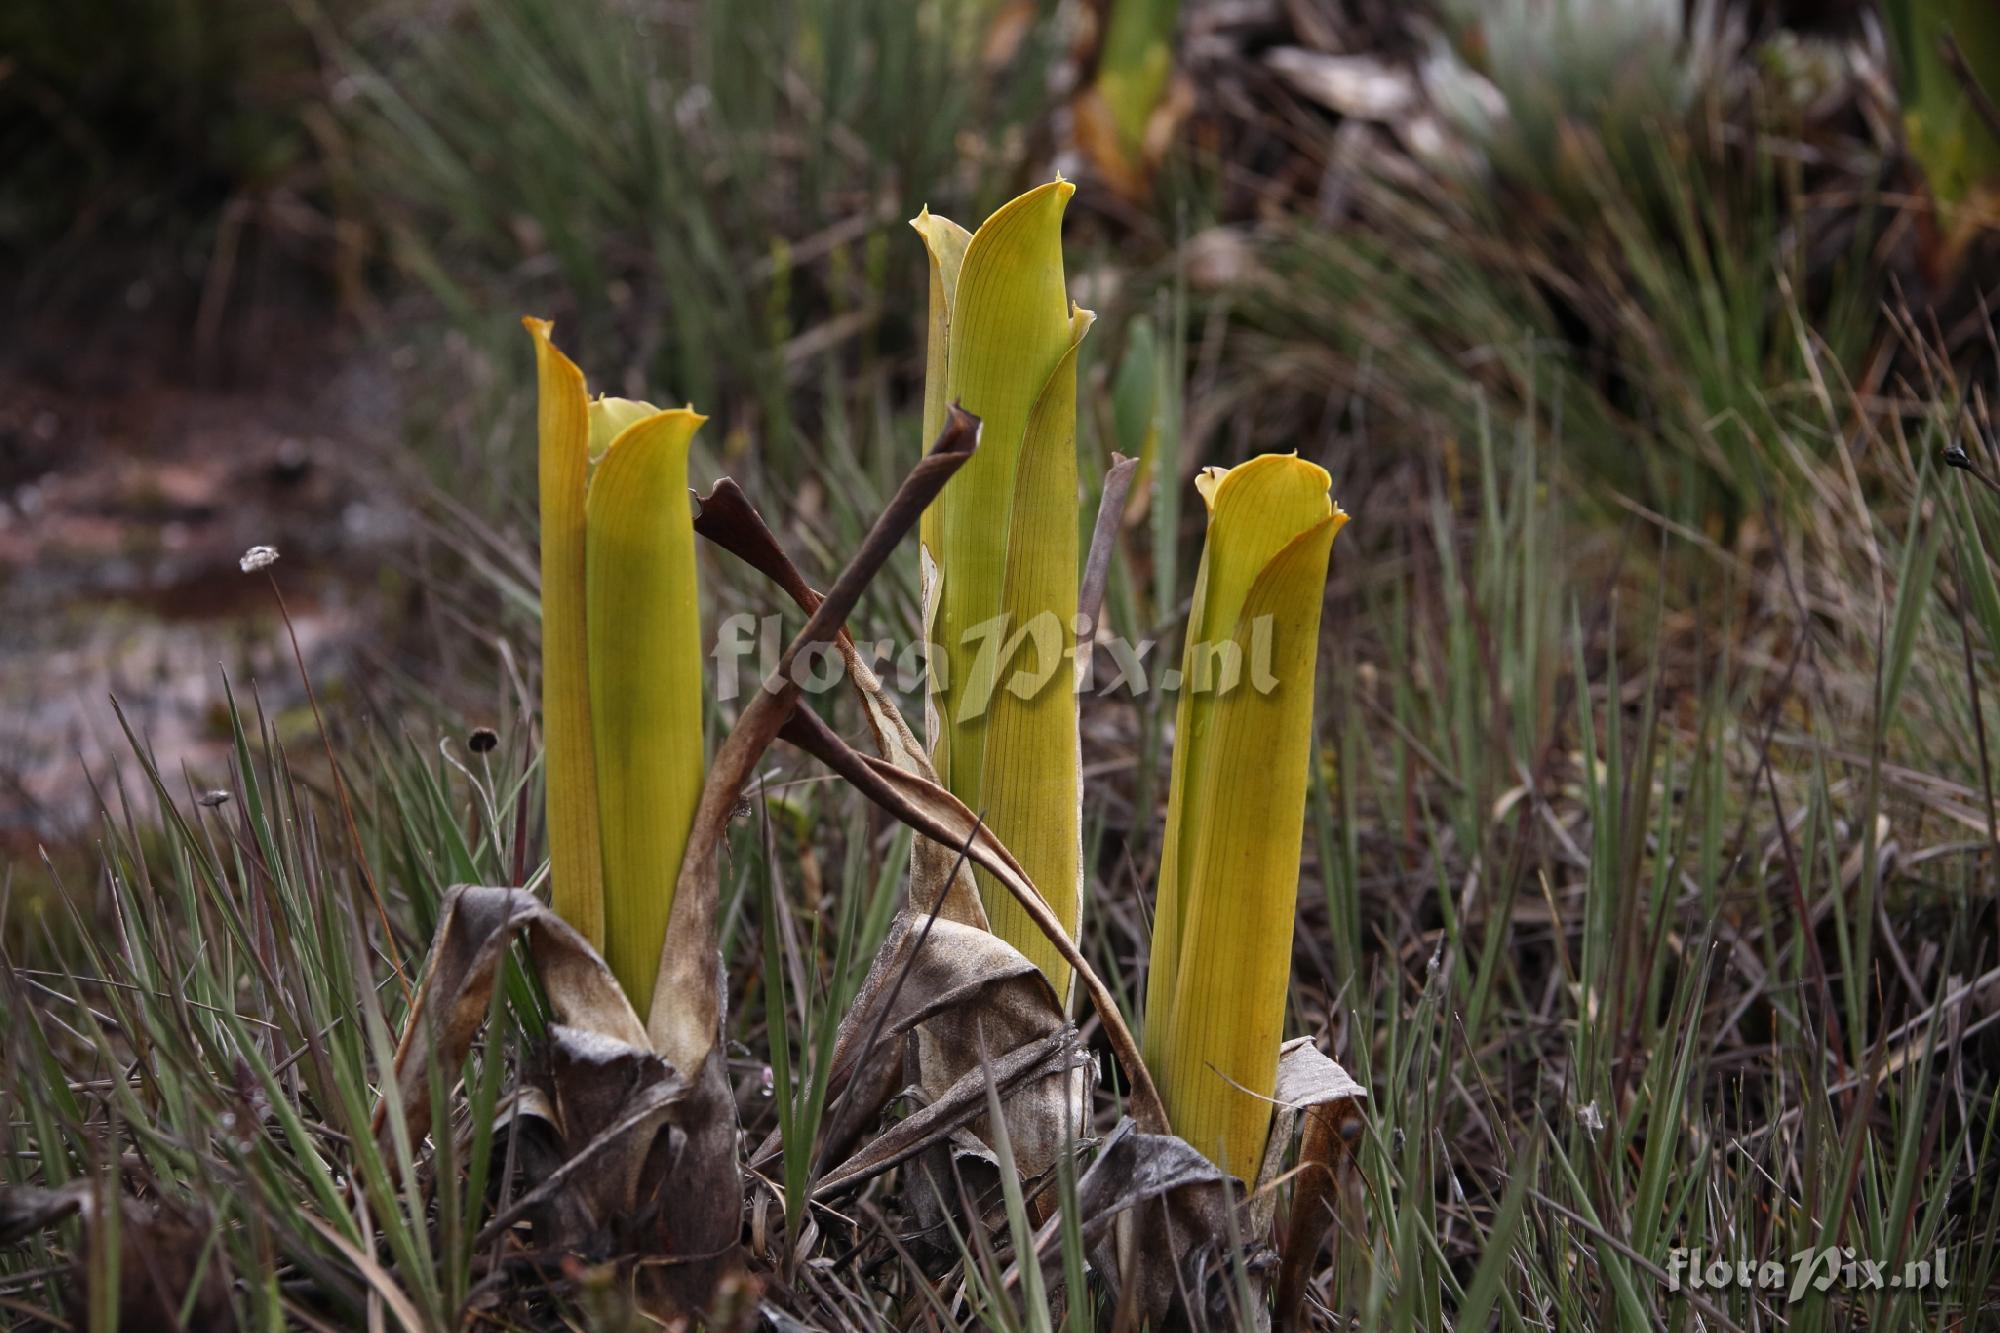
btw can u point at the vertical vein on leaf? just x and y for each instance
(1010, 328)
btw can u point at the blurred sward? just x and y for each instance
(136, 111)
(1637, 223)
(717, 190)
(709, 197)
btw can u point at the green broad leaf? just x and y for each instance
(946, 241)
(1030, 778)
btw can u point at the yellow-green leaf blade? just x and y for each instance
(1000, 547)
(645, 684)
(945, 241)
(1255, 510)
(1009, 328)
(576, 868)
(1222, 948)
(1030, 774)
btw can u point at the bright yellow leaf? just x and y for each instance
(576, 868)
(645, 683)
(1000, 549)
(1222, 933)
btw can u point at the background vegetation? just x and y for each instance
(1650, 881)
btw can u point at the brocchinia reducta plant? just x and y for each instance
(621, 663)
(1229, 872)
(1000, 553)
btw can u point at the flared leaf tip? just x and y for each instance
(1021, 203)
(1211, 482)
(925, 218)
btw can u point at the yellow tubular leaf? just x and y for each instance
(945, 241)
(1030, 773)
(576, 867)
(1255, 510)
(1008, 330)
(1222, 940)
(645, 684)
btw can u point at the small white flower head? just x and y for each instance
(258, 557)
(1591, 1118)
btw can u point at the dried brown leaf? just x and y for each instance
(686, 1021)
(1162, 1223)
(942, 988)
(958, 1105)
(937, 993)
(1179, 1247)
(633, 1129)
(1325, 1171)
(631, 1157)
(475, 927)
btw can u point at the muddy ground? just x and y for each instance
(143, 447)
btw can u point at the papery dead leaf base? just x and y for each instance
(624, 1158)
(1171, 1232)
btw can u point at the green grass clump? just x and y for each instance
(1668, 875)
(212, 1041)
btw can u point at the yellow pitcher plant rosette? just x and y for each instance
(1229, 871)
(621, 662)
(999, 551)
